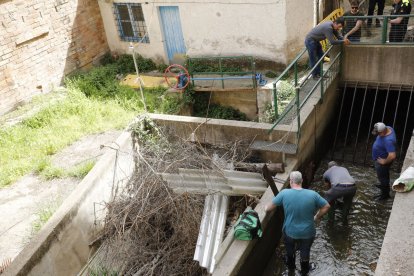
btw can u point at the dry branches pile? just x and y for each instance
(149, 230)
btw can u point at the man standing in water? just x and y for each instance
(383, 154)
(302, 208)
(341, 185)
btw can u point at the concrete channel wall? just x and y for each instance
(379, 63)
(397, 248)
(62, 245)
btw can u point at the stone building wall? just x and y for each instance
(43, 40)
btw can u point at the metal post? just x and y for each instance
(275, 100)
(321, 65)
(221, 72)
(138, 77)
(298, 112)
(384, 30)
(359, 123)
(254, 73)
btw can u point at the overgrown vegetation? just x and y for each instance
(229, 64)
(149, 230)
(203, 108)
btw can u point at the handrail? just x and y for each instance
(299, 85)
(332, 16)
(251, 73)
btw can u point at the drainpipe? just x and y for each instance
(315, 12)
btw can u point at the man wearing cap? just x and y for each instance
(383, 154)
(341, 185)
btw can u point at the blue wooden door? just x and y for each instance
(173, 34)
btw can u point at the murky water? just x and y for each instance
(352, 247)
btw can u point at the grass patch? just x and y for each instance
(25, 147)
(81, 170)
(43, 216)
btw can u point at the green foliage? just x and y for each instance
(101, 271)
(81, 170)
(161, 67)
(268, 115)
(43, 216)
(234, 64)
(202, 109)
(124, 64)
(25, 147)
(271, 74)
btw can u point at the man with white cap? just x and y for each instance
(383, 154)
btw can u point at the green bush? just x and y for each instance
(202, 108)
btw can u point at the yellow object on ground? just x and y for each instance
(147, 81)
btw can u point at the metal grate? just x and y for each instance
(274, 146)
(131, 22)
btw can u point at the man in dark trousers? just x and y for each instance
(341, 185)
(380, 11)
(399, 24)
(325, 30)
(383, 154)
(302, 209)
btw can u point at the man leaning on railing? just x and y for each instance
(399, 24)
(352, 28)
(326, 30)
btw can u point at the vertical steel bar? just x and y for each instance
(321, 73)
(349, 121)
(386, 102)
(339, 120)
(221, 72)
(384, 30)
(298, 113)
(253, 64)
(405, 125)
(275, 101)
(370, 124)
(396, 107)
(359, 123)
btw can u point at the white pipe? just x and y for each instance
(199, 251)
(221, 226)
(208, 248)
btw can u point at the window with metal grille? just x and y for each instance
(131, 22)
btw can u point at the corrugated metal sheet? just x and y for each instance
(227, 182)
(211, 230)
(173, 34)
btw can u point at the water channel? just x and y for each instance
(352, 247)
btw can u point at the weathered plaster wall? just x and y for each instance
(235, 28)
(41, 41)
(298, 22)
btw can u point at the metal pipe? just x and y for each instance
(131, 46)
(405, 125)
(359, 123)
(386, 102)
(339, 120)
(370, 124)
(396, 107)
(349, 121)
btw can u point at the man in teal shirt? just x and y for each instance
(302, 209)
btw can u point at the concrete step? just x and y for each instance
(286, 148)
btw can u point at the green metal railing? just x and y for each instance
(227, 67)
(306, 86)
(374, 35)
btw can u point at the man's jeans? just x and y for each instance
(315, 53)
(304, 245)
(383, 175)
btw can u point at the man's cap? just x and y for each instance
(378, 128)
(331, 164)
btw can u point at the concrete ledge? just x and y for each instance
(397, 248)
(62, 245)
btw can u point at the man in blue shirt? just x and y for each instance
(302, 208)
(383, 154)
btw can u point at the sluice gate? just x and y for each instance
(360, 106)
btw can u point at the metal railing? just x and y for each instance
(381, 31)
(305, 86)
(222, 69)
